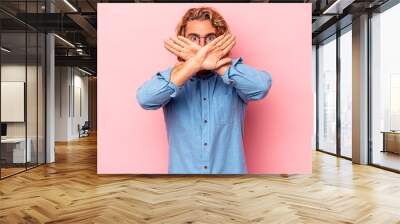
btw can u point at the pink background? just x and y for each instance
(274, 37)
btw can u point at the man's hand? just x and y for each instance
(182, 71)
(213, 56)
(181, 47)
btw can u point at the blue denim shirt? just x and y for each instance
(205, 116)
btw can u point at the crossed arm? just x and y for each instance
(212, 56)
(250, 83)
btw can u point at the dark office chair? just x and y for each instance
(84, 130)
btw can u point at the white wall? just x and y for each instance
(79, 111)
(71, 93)
(62, 81)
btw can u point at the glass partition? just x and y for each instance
(13, 110)
(31, 100)
(22, 89)
(41, 88)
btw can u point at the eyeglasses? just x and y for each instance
(196, 38)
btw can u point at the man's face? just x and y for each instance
(200, 31)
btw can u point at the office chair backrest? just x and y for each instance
(86, 124)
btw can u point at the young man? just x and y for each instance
(204, 96)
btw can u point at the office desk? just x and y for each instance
(15, 148)
(391, 141)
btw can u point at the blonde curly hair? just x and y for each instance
(203, 13)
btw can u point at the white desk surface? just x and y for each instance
(13, 140)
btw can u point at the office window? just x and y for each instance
(385, 88)
(346, 92)
(314, 76)
(327, 95)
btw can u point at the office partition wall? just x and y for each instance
(13, 74)
(22, 88)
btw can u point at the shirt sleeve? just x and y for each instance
(157, 91)
(250, 83)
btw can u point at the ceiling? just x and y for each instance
(75, 22)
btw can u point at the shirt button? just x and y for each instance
(205, 167)
(205, 121)
(204, 98)
(205, 143)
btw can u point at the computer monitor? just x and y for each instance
(3, 129)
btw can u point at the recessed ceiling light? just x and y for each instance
(338, 6)
(5, 50)
(64, 40)
(70, 5)
(84, 71)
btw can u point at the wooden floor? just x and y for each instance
(70, 191)
(387, 159)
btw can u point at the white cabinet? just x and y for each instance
(18, 149)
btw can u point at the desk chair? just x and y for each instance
(84, 130)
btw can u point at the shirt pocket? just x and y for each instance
(224, 107)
